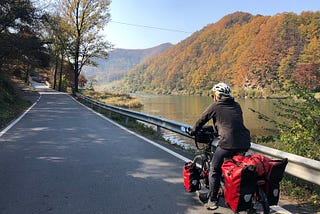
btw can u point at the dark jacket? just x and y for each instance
(228, 121)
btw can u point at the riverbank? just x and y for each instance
(304, 191)
(308, 193)
(117, 99)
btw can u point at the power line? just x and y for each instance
(152, 27)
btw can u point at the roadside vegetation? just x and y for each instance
(298, 128)
(297, 123)
(11, 104)
(307, 194)
(117, 99)
(53, 40)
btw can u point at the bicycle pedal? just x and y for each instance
(252, 211)
(203, 197)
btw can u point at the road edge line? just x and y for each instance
(19, 118)
(137, 135)
(278, 209)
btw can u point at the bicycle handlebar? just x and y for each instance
(205, 135)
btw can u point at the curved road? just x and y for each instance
(63, 158)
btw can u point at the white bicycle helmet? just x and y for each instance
(222, 89)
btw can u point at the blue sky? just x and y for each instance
(174, 20)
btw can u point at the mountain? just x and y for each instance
(260, 53)
(120, 61)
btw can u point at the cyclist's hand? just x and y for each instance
(189, 131)
(215, 134)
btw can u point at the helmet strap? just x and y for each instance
(216, 96)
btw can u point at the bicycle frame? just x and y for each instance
(203, 161)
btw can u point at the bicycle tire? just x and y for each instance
(202, 160)
(204, 165)
(263, 201)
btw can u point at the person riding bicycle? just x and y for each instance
(233, 136)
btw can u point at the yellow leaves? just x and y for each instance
(311, 52)
(253, 51)
(82, 16)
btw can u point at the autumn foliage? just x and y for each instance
(249, 52)
(82, 81)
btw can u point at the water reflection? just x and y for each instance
(187, 109)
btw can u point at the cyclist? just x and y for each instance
(233, 136)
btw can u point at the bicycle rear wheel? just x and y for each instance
(203, 163)
(260, 203)
(264, 201)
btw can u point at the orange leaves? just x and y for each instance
(241, 49)
(308, 75)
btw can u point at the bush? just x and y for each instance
(11, 104)
(117, 99)
(298, 122)
(301, 133)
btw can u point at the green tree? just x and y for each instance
(19, 39)
(82, 20)
(58, 45)
(301, 134)
(20, 42)
(30, 52)
(298, 122)
(11, 11)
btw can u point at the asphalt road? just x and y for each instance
(63, 158)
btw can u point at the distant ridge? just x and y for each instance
(255, 53)
(120, 61)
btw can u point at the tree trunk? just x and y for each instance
(61, 69)
(55, 73)
(26, 80)
(76, 67)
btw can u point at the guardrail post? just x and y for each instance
(300, 167)
(158, 131)
(127, 120)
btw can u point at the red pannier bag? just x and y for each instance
(274, 176)
(239, 183)
(191, 177)
(261, 162)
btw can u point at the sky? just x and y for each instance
(140, 24)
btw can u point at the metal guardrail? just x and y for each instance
(300, 167)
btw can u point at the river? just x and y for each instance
(187, 109)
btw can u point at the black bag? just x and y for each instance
(205, 135)
(275, 174)
(191, 177)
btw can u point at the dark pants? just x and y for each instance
(215, 170)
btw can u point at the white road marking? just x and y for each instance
(278, 209)
(18, 119)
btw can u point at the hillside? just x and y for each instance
(261, 53)
(120, 61)
(15, 97)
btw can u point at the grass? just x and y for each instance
(116, 99)
(307, 194)
(11, 104)
(130, 123)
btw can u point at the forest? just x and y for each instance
(257, 53)
(119, 63)
(265, 54)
